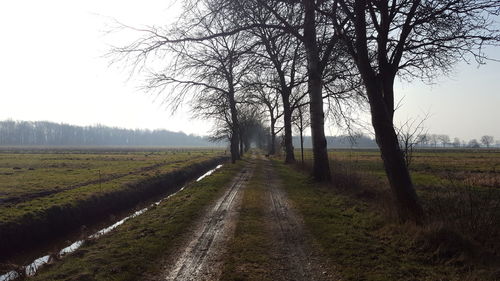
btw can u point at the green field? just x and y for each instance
(350, 219)
(33, 181)
(460, 193)
(429, 168)
(46, 193)
(441, 177)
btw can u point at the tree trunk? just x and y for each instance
(301, 133)
(235, 154)
(302, 145)
(407, 202)
(246, 144)
(272, 149)
(380, 91)
(287, 120)
(235, 129)
(241, 145)
(321, 167)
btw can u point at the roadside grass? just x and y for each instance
(460, 193)
(137, 246)
(249, 258)
(356, 234)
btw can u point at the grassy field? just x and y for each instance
(47, 189)
(429, 167)
(23, 174)
(355, 223)
(350, 219)
(33, 181)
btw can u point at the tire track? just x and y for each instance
(202, 258)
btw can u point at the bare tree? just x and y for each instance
(410, 134)
(250, 119)
(434, 139)
(487, 140)
(408, 38)
(301, 20)
(301, 122)
(473, 143)
(260, 94)
(282, 63)
(208, 72)
(423, 139)
(444, 139)
(283, 52)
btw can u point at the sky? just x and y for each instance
(53, 67)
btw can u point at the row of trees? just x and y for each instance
(49, 133)
(416, 138)
(237, 59)
(436, 140)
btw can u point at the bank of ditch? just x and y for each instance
(137, 246)
(44, 226)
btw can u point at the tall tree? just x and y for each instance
(409, 38)
(283, 54)
(262, 95)
(301, 20)
(301, 122)
(210, 72)
(250, 125)
(487, 140)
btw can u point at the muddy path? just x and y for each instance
(295, 258)
(201, 258)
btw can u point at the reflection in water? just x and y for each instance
(9, 276)
(208, 173)
(32, 268)
(71, 248)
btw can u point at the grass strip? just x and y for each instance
(138, 245)
(248, 257)
(356, 238)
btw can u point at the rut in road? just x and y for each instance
(202, 259)
(295, 258)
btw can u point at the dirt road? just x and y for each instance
(202, 258)
(293, 257)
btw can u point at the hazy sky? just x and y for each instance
(52, 68)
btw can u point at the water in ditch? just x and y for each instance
(32, 267)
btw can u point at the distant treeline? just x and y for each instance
(49, 133)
